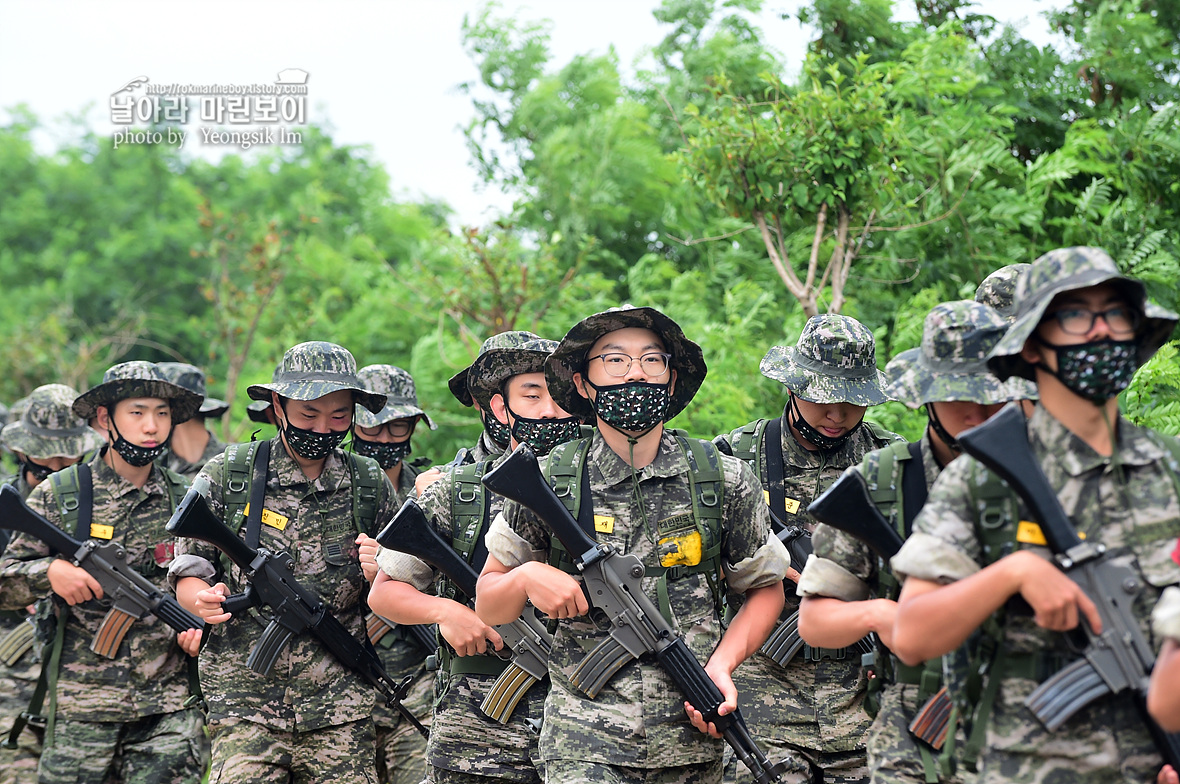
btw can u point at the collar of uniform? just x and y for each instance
(929, 461)
(333, 477)
(1133, 446)
(670, 461)
(104, 476)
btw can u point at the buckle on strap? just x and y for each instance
(813, 654)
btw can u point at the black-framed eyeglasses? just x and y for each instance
(397, 428)
(1079, 321)
(619, 365)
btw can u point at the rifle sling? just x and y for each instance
(257, 495)
(586, 507)
(773, 440)
(85, 503)
(913, 486)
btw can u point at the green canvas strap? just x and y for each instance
(50, 671)
(746, 445)
(469, 519)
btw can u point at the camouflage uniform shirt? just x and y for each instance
(190, 470)
(1132, 508)
(150, 674)
(638, 720)
(308, 689)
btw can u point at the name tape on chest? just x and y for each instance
(791, 505)
(273, 519)
(100, 531)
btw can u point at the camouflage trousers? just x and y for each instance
(465, 740)
(810, 715)
(17, 681)
(579, 772)
(894, 756)
(401, 749)
(246, 752)
(160, 749)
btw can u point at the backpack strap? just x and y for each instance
(470, 514)
(237, 479)
(913, 482)
(565, 470)
(365, 475)
(746, 444)
(73, 490)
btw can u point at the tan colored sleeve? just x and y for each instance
(821, 577)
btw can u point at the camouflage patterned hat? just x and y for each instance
(256, 410)
(999, 289)
(951, 364)
(495, 366)
(401, 398)
(1069, 269)
(137, 379)
(314, 369)
(3, 414)
(192, 378)
(571, 354)
(834, 361)
(17, 408)
(48, 427)
(458, 382)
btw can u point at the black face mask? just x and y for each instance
(636, 406)
(1098, 370)
(309, 444)
(496, 430)
(137, 456)
(387, 455)
(543, 434)
(39, 472)
(812, 435)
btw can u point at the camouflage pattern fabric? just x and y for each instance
(17, 681)
(589, 773)
(458, 382)
(149, 674)
(314, 369)
(190, 470)
(158, 749)
(401, 399)
(1135, 513)
(810, 713)
(192, 378)
(308, 689)
(492, 369)
(463, 740)
(244, 751)
(137, 379)
(48, 427)
(1066, 269)
(571, 354)
(834, 361)
(998, 290)
(485, 449)
(257, 411)
(1165, 618)
(638, 718)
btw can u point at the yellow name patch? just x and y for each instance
(791, 505)
(273, 519)
(99, 531)
(604, 524)
(1029, 532)
(682, 550)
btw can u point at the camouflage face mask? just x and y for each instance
(137, 456)
(543, 434)
(1096, 371)
(387, 455)
(636, 406)
(39, 472)
(496, 430)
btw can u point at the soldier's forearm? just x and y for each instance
(401, 602)
(1163, 698)
(825, 622)
(501, 594)
(751, 626)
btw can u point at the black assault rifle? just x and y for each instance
(526, 640)
(613, 583)
(294, 609)
(1119, 659)
(784, 641)
(134, 596)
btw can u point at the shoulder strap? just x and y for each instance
(470, 512)
(886, 487)
(73, 490)
(747, 445)
(772, 439)
(259, 467)
(568, 472)
(236, 479)
(366, 492)
(913, 485)
(175, 484)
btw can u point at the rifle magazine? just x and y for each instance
(1067, 692)
(17, 643)
(508, 690)
(110, 635)
(266, 651)
(375, 627)
(599, 666)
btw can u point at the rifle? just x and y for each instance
(134, 596)
(526, 640)
(294, 609)
(1119, 659)
(784, 641)
(613, 585)
(5, 537)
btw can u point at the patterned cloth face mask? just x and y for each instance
(137, 456)
(309, 444)
(387, 455)
(1096, 371)
(543, 434)
(496, 430)
(636, 406)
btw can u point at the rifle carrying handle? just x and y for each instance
(266, 651)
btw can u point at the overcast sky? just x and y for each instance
(382, 74)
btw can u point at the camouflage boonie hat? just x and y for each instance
(571, 354)
(458, 382)
(48, 426)
(834, 361)
(1069, 269)
(137, 379)
(401, 399)
(998, 289)
(3, 414)
(192, 378)
(494, 367)
(951, 363)
(256, 410)
(17, 408)
(314, 369)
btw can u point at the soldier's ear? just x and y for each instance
(1031, 353)
(580, 386)
(499, 410)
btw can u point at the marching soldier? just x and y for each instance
(193, 444)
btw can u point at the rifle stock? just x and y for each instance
(847, 506)
(613, 582)
(134, 597)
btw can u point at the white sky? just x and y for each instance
(383, 74)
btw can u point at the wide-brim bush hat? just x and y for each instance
(401, 398)
(458, 382)
(492, 369)
(192, 378)
(256, 410)
(137, 379)
(1069, 269)
(834, 361)
(49, 428)
(572, 352)
(314, 369)
(998, 290)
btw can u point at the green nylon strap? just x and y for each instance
(469, 513)
(51, 669)
(906, 673)
(473, 665)
(746, 443)
(929, 765)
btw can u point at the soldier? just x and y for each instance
(1081, 330)
(121, 719)
(947, 375)
(810, 711)
(1163, 700)
(310, 719)
(385, 437)
(466, 746)
(46, 438)
(631, 369)
(494, 439)
(192, 443)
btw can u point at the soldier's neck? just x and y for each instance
(645, 448)
(136, 475)
(1094, 424)
(394, 473)
(189, 440)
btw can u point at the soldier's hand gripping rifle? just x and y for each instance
(134, 596)
(294, 609)
(1119, 659)
(613, 583)
(526, 640)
